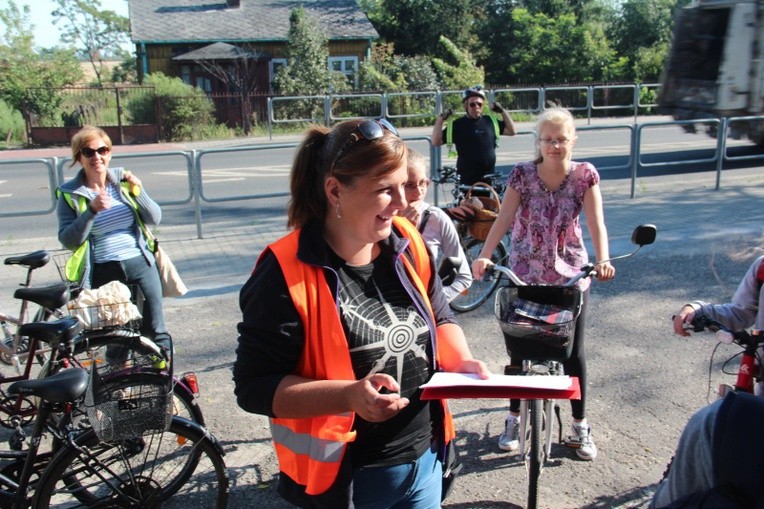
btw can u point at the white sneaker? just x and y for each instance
(581, 440)
(509, 440)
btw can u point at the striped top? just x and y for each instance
(112, 232)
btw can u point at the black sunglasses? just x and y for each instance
(370, 130)
(89, 152)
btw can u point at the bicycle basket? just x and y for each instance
(112, 305)
(130, 391)
(486, 213)
(538, 322)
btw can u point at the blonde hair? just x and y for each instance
(416, 161)
(316, 160)
(85, 136)
(558, 116)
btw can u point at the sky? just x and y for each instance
(46, 34)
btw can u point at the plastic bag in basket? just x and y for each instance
(108, 305)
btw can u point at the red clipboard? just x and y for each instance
(504, 392)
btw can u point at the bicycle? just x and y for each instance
(103, 329)
(538, 324)
(750, 371)
(15, 348)
(479, 291)
(51, 299)
(144, 469)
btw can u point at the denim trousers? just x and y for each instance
(137, 271)
(412, 485)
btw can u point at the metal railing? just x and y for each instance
(425, 106)
(50, 170)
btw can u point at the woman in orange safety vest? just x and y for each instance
(343, 320)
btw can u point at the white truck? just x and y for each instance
(715, 67)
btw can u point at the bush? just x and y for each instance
(12, 127)
(187, 112)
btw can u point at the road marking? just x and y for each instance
(233, 174)
(5, 195)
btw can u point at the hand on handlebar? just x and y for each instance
(605, 271)
(479, 267)
(683, 320)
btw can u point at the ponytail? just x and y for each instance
(306, 185)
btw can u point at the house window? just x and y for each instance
(273, 67)
(346, 65)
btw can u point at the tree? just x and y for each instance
(97, 32)
(560, 50)
(307, 71)
(641, 32)
(28, 77)
(387, 72)
(462, 73)
(415, 26)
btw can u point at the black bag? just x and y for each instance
(451, 468)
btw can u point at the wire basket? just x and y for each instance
(130, 393)
(538, 321)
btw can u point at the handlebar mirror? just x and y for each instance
(644, 234)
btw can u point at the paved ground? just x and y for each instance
(694, 221)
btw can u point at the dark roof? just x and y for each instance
(217, 51)
(198, 21)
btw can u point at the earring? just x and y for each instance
(338, 211)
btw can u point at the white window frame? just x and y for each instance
(273, 66)
(351, 73)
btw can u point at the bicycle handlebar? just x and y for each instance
(586, 271)
(740, 337)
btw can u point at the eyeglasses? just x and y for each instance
(89, 152)
(555, 142)
(370, 130)
(422, 184)
(475, 105)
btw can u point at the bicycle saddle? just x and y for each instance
(63, 387)
(34, 260)
(61, 331)
(50, 297)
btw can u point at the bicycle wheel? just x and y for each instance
(474, 296)
(181, 467)
(535, 455)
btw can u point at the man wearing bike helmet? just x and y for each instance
(474, 134)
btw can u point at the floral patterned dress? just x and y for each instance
(547, 244)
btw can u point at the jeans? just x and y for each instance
(138, 271)
(412, 485)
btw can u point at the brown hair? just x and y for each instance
(314, 161)
(83, 137)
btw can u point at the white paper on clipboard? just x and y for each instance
(552, 382)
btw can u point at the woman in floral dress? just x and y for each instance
(541, 206)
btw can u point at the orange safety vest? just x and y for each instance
(310, 450)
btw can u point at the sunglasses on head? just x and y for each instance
(89, 152)
(370, 130)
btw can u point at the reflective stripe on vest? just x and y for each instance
(311, 450)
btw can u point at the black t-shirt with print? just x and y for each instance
(386, 334)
